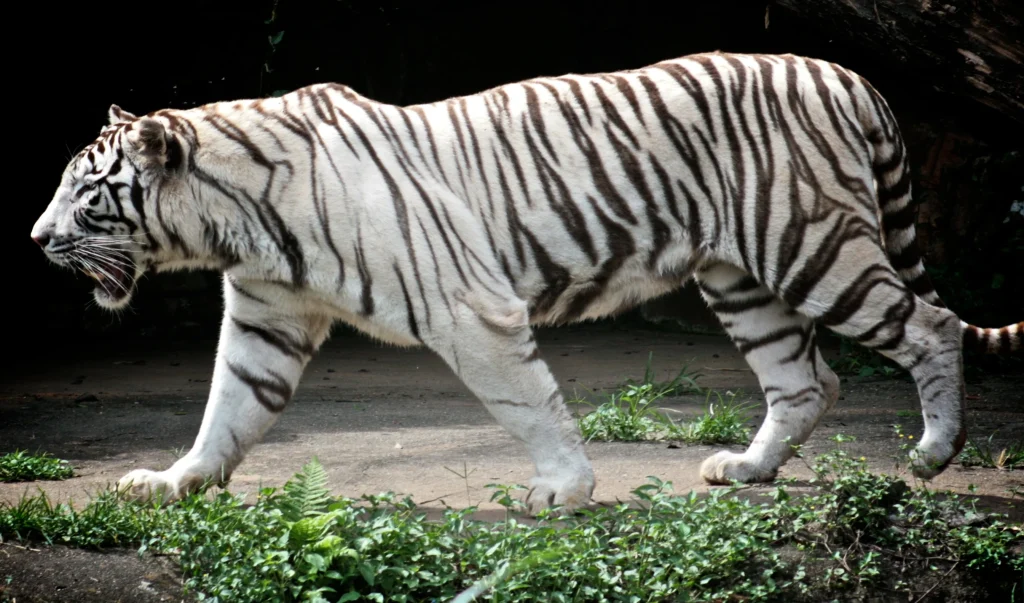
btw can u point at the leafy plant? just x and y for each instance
(855, 535)
(20, 466)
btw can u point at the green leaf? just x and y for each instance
(997, 280)
(276, 38)
(368, 574)
(317, 561)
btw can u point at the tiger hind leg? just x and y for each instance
(780, 346)
(492, 349)
(860, 295)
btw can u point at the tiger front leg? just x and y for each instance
(491, 347)
(261, 355)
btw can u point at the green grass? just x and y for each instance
(992, 457)
(20, 466)
(854, 532)
(684, 382)
(630, 414)
(724, 422)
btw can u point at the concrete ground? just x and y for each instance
(381, 418)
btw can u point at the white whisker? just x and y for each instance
(101, 270)
(115, 257)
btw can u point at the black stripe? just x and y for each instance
(624, 87)
(411, 316)
(634, 172)
(905, 259)
(245, 293)
(901, 219)
(364, 275)
(688, 82)
(765, 172)
(888, 193)
(853, 297)
(598, 173)
(737, 306)
(461, 144)
(811, 389)
(922, 286)
(537, 119)
(139, 203)
(736, 192)
(561, 202)
(320, 201)
(272, 222)
(613, 115)
(822, 259)
(747, 345)
(272, 393)
(285, 343)
(621, 247)
(437, 277)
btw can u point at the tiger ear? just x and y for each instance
(149, 137)
(117, 115)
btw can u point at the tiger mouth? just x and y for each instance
(112, 282)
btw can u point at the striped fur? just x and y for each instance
(779, 183)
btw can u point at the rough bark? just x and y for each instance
(970, 48)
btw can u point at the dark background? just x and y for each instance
(67, 65)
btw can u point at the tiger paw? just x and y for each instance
(930, 459)
(726, 467)
(569, 493)
(163, 487)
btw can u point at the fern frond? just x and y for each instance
(306, 494)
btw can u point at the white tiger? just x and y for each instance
(780, 183)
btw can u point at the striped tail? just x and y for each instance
(1006, 340)
(899, 214)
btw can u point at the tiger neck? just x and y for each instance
(241, 192)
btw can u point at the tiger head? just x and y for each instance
(96, 220)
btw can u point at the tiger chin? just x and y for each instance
(779, 184)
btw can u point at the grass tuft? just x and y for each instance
(987, 455)
(630, 415)
(724, 422)
(20, 466)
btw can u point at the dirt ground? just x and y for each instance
(381, 418)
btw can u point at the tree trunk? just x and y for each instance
(969, 48)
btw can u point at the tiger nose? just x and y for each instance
(41, 239)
